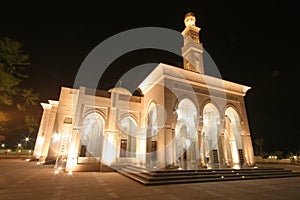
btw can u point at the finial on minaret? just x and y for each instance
(190, 19)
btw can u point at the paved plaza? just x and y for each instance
(26, 180)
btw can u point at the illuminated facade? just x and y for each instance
(182, 118)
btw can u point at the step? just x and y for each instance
(160, 177)
(176, 177)
(179, 173)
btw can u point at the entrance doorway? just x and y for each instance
(82, 150)
(123, 148)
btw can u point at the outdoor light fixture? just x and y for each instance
(2, 145)
(19, 145)
(27, 139)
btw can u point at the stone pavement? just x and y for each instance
(26, 180)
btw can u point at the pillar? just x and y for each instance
(169, 145)
(43, 125)
(49, 131)
(161, 157)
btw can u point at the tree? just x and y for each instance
(279, 154)
(259, 142)
(31, 124)
(13, 63)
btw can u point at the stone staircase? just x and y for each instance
(176, 176)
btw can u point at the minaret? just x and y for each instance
(192, 51)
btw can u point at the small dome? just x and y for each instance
(189, 19)
(189, 14)
(120, 90)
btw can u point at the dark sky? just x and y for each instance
(255, 43)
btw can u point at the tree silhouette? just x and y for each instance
(259, 142)
(13, 63)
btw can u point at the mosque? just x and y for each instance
(181, 118)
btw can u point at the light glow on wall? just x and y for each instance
(40, 140)
(56, 137)
(72, 161)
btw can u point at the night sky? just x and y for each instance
(255, 43)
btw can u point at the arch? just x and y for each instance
(131, 115)
(155, 119)
(210, 135)
(186, 97)
(186, 110)
(186, 133)
(151, 134)
(91, 136)
(127, 137)
(209, 101)
(232, 139)
(235, 122)
(100, 112)
(151, 104)
(230, 105)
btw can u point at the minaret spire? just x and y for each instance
(192, 51)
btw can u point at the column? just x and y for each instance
(161, 158)
(169, 145)
(73, 151)
(43, 125)
(109, 148)
(49, 131)
(248, 149)
(201, 153)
